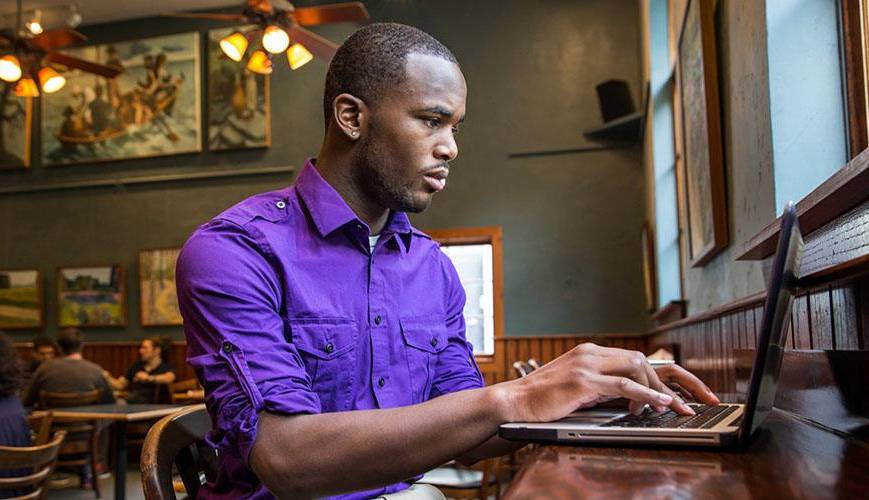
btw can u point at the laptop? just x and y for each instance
(723, 425)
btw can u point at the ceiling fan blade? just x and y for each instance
(263, 6)
(75, 62)
(317, 45)
(55, 39)
(335, 13)
(207, 15)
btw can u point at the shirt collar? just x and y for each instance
(329, 211)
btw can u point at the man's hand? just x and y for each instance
(141, 376)
(590, 374)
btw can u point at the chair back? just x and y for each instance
(180, 388)
(49, 399)
(533, 363)
(38, 459)
(40, 425)
(178, 439)
(522, 368)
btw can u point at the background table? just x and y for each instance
(120, 414)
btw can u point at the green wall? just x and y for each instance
(571, 223)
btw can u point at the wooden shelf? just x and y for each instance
(625, 129)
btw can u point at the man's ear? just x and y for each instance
(350, 114)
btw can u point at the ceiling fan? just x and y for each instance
(28, 59)
(278, 27)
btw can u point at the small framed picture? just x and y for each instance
(158, 302)
(21, 303)
(91, 296)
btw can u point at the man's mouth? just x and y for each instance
(437, 178)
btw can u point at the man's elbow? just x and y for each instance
(274, 472)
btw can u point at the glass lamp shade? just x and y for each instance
(26, 87)
(50, 80)
(234, 46)
(260, 63)
(275, 40)
(298, 56)
(10, 68)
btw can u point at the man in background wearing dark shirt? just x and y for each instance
(44, 348)
(142, 378)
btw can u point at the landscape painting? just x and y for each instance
(91, 296)
(20, 299)
(16, 115)
(150, 109)
(238, 100)
(158, 302)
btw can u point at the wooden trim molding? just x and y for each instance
(844, 190)
(855, 75)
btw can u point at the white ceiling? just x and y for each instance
(103, 11)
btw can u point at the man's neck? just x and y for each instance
(337, 170)
(153, 362)
(75, 355)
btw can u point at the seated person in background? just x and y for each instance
(68, 373)
(142, 378)
(14, 430)
(44, 348)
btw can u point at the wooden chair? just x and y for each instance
(40, 459)
(178, 440)
(40, 425)
(180, 389)
(457, 481)
(522, 368)
(533, 363)
(81, 445)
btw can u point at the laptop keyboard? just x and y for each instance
(707, 417)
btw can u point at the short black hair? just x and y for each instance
(70, 340)
(43, 341)
(162, 342)
(374, 58)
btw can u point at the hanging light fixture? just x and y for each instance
(234, 46)
(298, 56)
(35, 22)
(260, 63)
(275, 40)
(10, 68)
(50, 80)
(26, 87)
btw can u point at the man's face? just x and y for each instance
(43, 353)
(403, 155)
(147, 351)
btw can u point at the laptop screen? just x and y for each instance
(776, 318)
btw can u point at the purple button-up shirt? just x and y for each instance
(287, 311)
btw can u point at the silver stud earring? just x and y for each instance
(354, 133)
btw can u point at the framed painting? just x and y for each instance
(239, 113)
(91, 296)
(151, 109)
(702, 158)
(650, 284)
(158, 302)
(21, 304)
(16, 117)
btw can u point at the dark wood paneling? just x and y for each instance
(802, 327)
(844, 311)
(821, 320)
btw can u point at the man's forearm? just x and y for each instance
(315, 455)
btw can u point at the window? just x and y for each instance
(667, 259)
(476, 254)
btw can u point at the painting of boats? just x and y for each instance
(151, 109)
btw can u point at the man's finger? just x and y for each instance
(688, 381)
(624, 387)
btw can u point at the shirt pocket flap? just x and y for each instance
(323, 338)
(427, 334)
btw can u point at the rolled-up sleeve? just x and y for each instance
(455, 368)
(230, 298)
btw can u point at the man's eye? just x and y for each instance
(433, 122)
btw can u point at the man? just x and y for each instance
(143, 376)
(43, 349)
(328, 332)
(68, 373)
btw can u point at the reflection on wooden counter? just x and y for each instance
(787, 459)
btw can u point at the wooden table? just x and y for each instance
(788, 458)
(120, 414)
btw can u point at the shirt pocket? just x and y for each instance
(424, 337)
(327, 347)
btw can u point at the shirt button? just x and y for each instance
(227, 347)
(280, 204)
(434, 342)
(378, 320)
(329, 348)
(381, 382)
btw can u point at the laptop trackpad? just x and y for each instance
(593, 417)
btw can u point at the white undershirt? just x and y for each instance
(372, 242)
